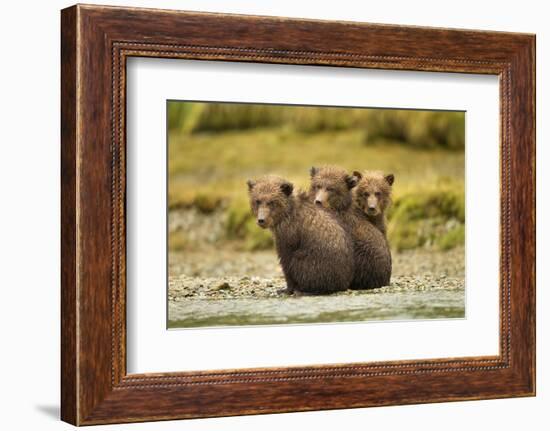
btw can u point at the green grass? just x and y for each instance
(452, 238)
(421, 129)
(218, 165)
(433, 215)
(208, 171)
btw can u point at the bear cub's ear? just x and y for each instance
(287, 188)
(389, 179)
(313, 171)
(352, 180)
(250, 184)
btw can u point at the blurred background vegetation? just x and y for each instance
(215, 147)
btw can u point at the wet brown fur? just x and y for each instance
(331, 188)
(315, 252)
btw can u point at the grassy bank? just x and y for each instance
(420, 129)
(207, 168)
(208, 172)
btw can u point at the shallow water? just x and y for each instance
(357, 306)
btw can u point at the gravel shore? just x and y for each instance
(226, 274)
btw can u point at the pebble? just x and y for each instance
(224, 285)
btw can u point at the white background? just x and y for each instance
(29, 216)
(151, 348)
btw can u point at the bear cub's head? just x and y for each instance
(331, 187)
(373, 192)
(270, 200)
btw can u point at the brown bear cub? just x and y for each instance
(332, 189)
(315, 252)
(373, 196)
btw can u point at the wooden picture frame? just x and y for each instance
(95, 43)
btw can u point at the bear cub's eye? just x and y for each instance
(258, 202)
(377, 194)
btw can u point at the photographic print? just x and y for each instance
(239, 208)
(284, 214)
